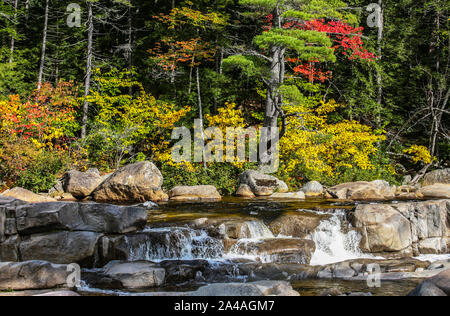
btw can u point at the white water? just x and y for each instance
(178, 244)
(258, 230)
(433, 258)
(333, 245)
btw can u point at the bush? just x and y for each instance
(223, 176)
(25, 164)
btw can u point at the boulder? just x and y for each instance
(92, 217)
(436, 191)
(82, 184)
(292, 196)
(279, 250)
(245, 191)
(384, 229)
(437, 176)
(422, 227)
(296, 225)
(436, 286)
(62, 248)
(313, 189)
(27, 196)
(363, 191)
(194, 193)
(32, 275)
(9, 249)
(139, 182)
(262, 184)
(136, 275)
(261, 288)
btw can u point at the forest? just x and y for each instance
(358, 90)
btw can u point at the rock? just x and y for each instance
(279, 250)
(62, 248)
(437, 176)
(194, 193)
(296, 225)
(82, 184)
(293, 196)
(59, 294)
(422, 227)
(9, 249)
(436, 191)
(32, 275)
(313, 189)
(57, 189)
(262, 184)
(136, 275)
(363, 191)
(384, 229)
(262, 288)
(436, 286)
(27, 196)
(245, 191)
(139, 182)
(101, 218)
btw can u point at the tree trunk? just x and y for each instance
(379, 72)
(44, 46)
(87, 84)
(11, 55)
(200, 109)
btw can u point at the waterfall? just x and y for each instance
(258, 230)
(177, 243)
(333, 244)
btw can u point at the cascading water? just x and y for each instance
(177, 243)
(258, 230)
(333, 244)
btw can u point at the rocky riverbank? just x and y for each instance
(210, 245)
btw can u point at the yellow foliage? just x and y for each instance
(419, 153)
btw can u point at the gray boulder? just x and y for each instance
(313, 189)
(101, 218)
(194, 193)
(436, 286)
(136, 275)
(62, 248)
(262, 288)
(262, 184)
(32, 275)
(437, 176)
(139, 182)
(82, 184)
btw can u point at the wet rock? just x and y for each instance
(262, 288)
(82, 184)
(289, 250)
(436, 191)
(139, 182)
(136, 275)
(262, 184)
(194, 193)
(363, 191)
(27, 196)
(245, 191)
(61, 248)
(437, 176)
(313, 189)
(102, 218)
(296, 225)
(32, 275)
(436, 286)
(292, 196)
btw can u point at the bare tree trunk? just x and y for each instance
(11, 55)
(44, 46)
(87, 84)
(379, 72)
(200, 109)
